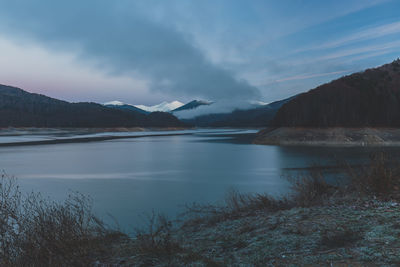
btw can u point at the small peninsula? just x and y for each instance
(359, 109)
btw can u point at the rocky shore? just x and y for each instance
(329, 136)
(318, 224)
(365, 233)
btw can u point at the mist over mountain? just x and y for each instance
(212, 114)
(365, 99)
(19, 108)
(192, 105)
(259, 116)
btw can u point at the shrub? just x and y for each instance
(311, 188)
(235, 205)
(10, 210)
(380, 178)
(157, 237)
(155, 244)
(38, 232)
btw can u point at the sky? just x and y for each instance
(149, 51)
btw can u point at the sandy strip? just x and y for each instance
(84, 139)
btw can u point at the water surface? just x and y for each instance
(130, 177)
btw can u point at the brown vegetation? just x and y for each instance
(379, 178)
(38, 232)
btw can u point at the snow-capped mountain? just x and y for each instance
(164, 106)
(259, 103)
(123, 106)
(116, 103)
(192, 105)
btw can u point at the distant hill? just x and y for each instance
(255, 117)
(192, 105)
(19, 108)
(365, 99)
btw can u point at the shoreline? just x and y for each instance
(334, 136)
(84, 139)
(16, 130)
(49, 136)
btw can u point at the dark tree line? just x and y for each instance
(19, 108)
(370, 98)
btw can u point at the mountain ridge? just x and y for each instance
(364, 99)
(192, 105)
(125, 107)
(19, 108)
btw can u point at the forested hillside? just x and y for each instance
(19, 108)
(365, 99)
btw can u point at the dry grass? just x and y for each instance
(38, 232)
(307, 189)
(379, 178)
(235, 205)
(156, 238)
(155, 245)
(311, 189)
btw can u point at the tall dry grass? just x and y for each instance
(379, 178)
(35, 231)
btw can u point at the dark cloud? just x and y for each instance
(116, 35)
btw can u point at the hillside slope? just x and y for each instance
(365, 99)
(125, 107)
(19, 108)
(192, 105)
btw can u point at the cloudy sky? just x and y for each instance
(148, 51)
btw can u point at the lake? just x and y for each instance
(128, 178)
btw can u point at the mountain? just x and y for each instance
(126, 107)
(365, 99)
(259, 103)
(19, 108)
(259, 116)
(164, 106)
(192, 105)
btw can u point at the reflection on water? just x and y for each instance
(129, 177)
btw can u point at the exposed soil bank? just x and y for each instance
(329, 136)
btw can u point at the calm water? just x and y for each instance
(130, 177)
